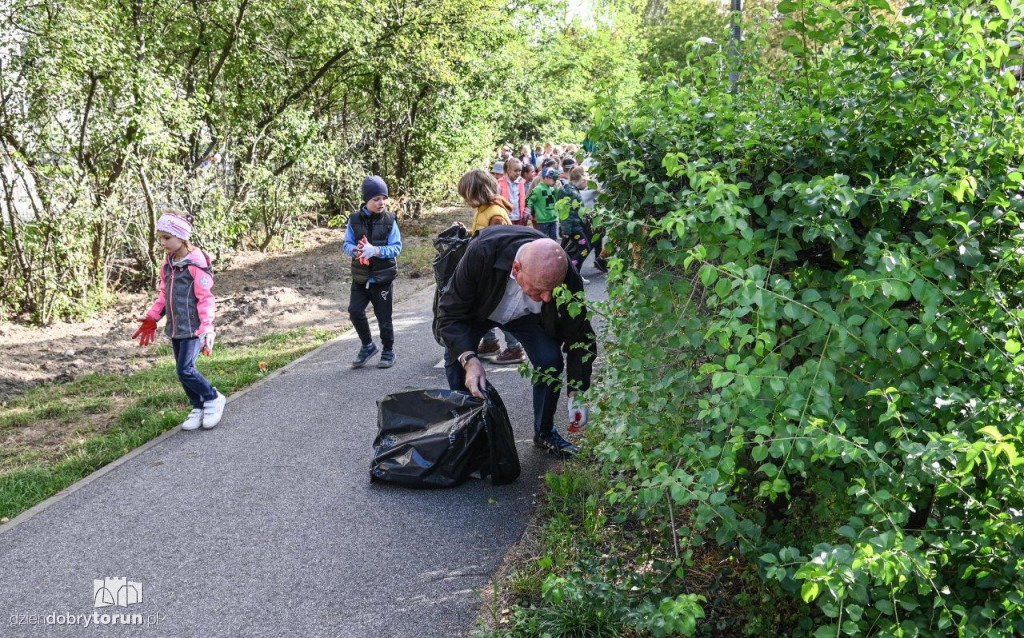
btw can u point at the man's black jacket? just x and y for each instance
(478, 285)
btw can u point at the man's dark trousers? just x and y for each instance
(544, 355)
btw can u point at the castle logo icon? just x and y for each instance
(116, 591)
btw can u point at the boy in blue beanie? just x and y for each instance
(373, 242)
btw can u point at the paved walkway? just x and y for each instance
(268, 525)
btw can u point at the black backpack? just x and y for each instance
(451, 245)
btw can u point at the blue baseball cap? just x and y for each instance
(549, 172)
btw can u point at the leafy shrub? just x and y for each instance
(816, 309)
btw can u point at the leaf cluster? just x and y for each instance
(816, 306)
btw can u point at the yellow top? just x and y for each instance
(486, 214)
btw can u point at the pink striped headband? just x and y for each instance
(174, 225)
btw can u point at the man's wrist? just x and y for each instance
(466, 357)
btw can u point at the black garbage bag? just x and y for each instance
(503, 461)
(438, 438)
(451, 245)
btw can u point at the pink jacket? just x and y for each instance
(186, 296)
(518, 208)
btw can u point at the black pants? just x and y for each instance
(596, 244)
(380, 296)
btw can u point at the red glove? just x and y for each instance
(146, 332)
(579, 415)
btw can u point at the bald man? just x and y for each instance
(507, 279)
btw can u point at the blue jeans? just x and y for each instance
(550, 229)
(544, 354)
(198, 389)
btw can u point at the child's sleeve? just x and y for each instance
(531, 199)
(156, 311)
(350, 241)
(394, 245)
(206, 303)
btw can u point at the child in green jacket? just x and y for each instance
(542, 203)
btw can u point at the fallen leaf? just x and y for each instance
(263, 366)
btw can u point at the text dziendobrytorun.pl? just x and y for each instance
(88, 620)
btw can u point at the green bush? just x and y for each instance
(816, 310)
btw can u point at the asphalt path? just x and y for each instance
(268, 525)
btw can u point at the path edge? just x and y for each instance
(9, 526)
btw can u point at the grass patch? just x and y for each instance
(16, 419)
(55, 435)
(417, 260)
(592, 568)
(62, 412)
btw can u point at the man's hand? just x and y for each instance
(146, 332)
(476, 379)
(579, 414)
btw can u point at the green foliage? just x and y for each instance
(111, 112)
(678, 28)
(596, 577)
(683, 22)
(816, 309)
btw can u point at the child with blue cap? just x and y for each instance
(373, 241)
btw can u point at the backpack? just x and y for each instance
(451, 244)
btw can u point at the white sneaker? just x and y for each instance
(585, 280)
(194, 420)
(213, 410)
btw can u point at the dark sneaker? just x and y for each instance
(488, 349)
(601, 264)
(556, 445)
(510, 355)
(365, 353)
(387, 359)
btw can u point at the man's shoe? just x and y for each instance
(585, 280)
(387, 359)
(365, 353)
(194, 420)
(511, 355)
(488, 349)
(601, 265)
(556, 445)
(213, 410)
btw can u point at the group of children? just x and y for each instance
(556, 202)
(373, 242)
(551, 201)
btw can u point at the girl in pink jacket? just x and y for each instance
(186, 297)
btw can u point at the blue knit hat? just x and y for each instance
(373, 186)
